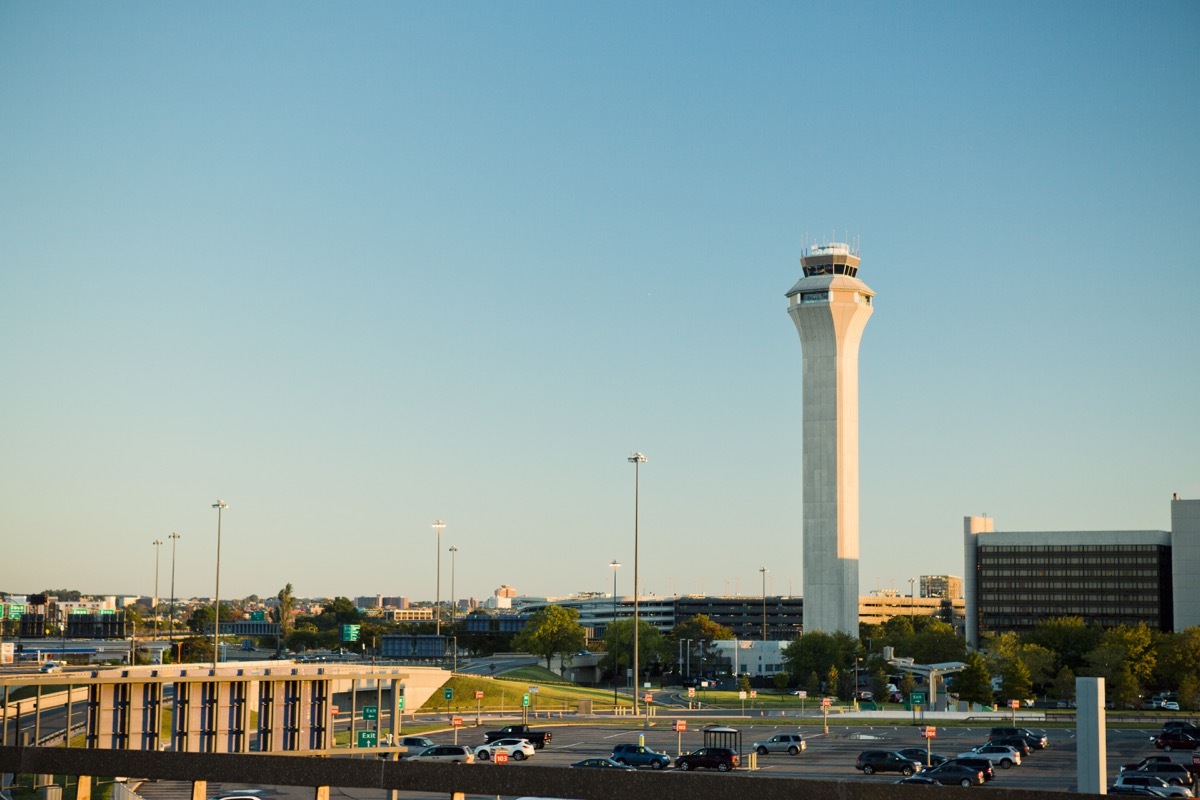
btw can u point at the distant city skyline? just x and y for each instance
(353, 269)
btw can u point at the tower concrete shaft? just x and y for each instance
(830, 307)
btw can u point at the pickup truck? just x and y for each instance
(538, 739)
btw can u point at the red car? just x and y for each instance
(1176, 740)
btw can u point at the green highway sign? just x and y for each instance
(370, 712)
(400, 705)
(366, 738)
(350, 633)
(917, 698)
(525, 699)
(448, 693)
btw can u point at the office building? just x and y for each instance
(1015, 579)
(830, 307)
(949, 587)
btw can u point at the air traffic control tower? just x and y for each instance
(830, 307)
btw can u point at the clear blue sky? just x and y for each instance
(354, 267)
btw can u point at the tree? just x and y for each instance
(812, 684)
(696, 629)
(831, 680)
(340, 611)
(780, 680)
(743, 683)
(285, 612)
(1178, 658)
(974, 684)
(818, 651)
(653, 647)
(1125, 657)
(1071, 638)
(1064, 683)
(935, 643)
(551, 631)
(1014, 681)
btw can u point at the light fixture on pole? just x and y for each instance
(220, 506)
(911, 581)
(637, 459)
(763, 570)
(154, 606)
(437, 603)
(616, 656)
(174, 537)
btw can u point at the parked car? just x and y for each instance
(1152, 782)
(415, 743)
(1138, 791)
(872, 761)
(722, 759)
(517, 749)
(1169, 705)
(1169, 772)
(1017, 743)
(1176, 740)
(1036, 741)
(1182, 726)
(635, 755)
(918, 754)
(51, 666)
(955, 775)
(601, 763)
(453, 753)
(996, 753)
(978, 762)
(790, 743)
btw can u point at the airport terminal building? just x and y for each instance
(1015, 579)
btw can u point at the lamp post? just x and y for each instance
(911, 581)
(637, 459)
(454, 650)
(763, 570)
(437, 603)
(157, 549)
(174, 537)
(220, 506)
(616, 656)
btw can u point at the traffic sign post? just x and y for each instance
(525, 708)
(500, 756)
(1014, 705)
(680, 725)
(928, 731)
(742, 697)
(456, 722)
(478, 707)
(367, 739)
(825, 703)
(370, 713)
(448, 694)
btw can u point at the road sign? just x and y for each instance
(741, 695)
(448, 693)
(679, 725)
(400, 705)
(478, 695)
(525, 699)
(350, 633)
(456, 722)
(917, 698)
(1014, 703)
(826, 702)
(533, 690)
(928, 731)
(753, 694)
(500, 756)
(802, 694)
(1196, 758)
(366, 738)
(370, 712)
(691, 691)
(648, 698)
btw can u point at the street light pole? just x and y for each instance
(157, 549)
(637, 459)
(437, 603)
(454, 650)
(220, 506)
(911, 581)
(174, 537)
(616, 656)
(763, 570)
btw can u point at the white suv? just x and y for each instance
(517, 749)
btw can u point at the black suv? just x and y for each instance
(982, 764)
(1177, 774)
(722, 759)
(872, 761)
(1035, 741)
(919, 754)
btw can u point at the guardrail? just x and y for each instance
(452, 779)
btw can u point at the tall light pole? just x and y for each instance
(437, 603)
(637, 459)
(616, 656)
(763, 570)
(157, 549)
(454, 647)
(911, 581)
(174, 537)
(220, 506)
